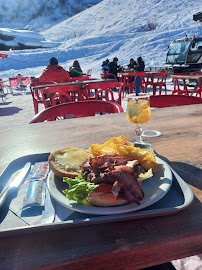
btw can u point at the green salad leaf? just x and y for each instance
(79, 189)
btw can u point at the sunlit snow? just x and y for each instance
(108, 29)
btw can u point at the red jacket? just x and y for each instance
(55, 73)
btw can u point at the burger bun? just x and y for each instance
(103, 196)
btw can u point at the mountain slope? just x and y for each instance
(35, 14)
(112, 28)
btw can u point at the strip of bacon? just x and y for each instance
(102, 163)
(131, 190)
(112, 170)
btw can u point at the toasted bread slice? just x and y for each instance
(66, 162)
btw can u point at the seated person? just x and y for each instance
(75, 69)
(140, 64)
(105, 66)
(132, 65)
(19, 77)
(54, 73)
(114, 68)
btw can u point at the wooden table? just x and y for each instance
(132, 244)
(198, 79)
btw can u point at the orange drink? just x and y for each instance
(138, 111)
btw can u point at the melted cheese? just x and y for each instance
(71, 159)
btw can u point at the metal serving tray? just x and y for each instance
(178, 198)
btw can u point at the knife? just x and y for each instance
(6, 194)
(48, 214)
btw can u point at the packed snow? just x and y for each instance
(110, 28)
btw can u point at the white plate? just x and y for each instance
(154, 189)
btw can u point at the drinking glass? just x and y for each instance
(138, 112)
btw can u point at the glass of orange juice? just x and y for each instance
(138, 112)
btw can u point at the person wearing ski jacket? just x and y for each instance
(114, 68)
(105, 66)
(54, 72)
(140, 67)
(132, 65)
(75, 69)
(140, 64)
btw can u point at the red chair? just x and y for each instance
(108, 76)
(129, 81)
(54, 95)
(160, 83)
(88, 73)
(25, 81)
(132, 85)
(103, 90)
(173, 100)
(105, 95)
(62, 94)
(155, 80)
(199, 90)
(126, 84)
(36, 94)
(149, 80)
(13, 82)
(180, 87)
(77, 109)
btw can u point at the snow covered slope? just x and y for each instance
(115, 28)
(35, 14)
(21, 39)
(112, 28)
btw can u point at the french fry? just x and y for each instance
(108, 151)
(96, 148)
(119, 145)
(122, 151)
